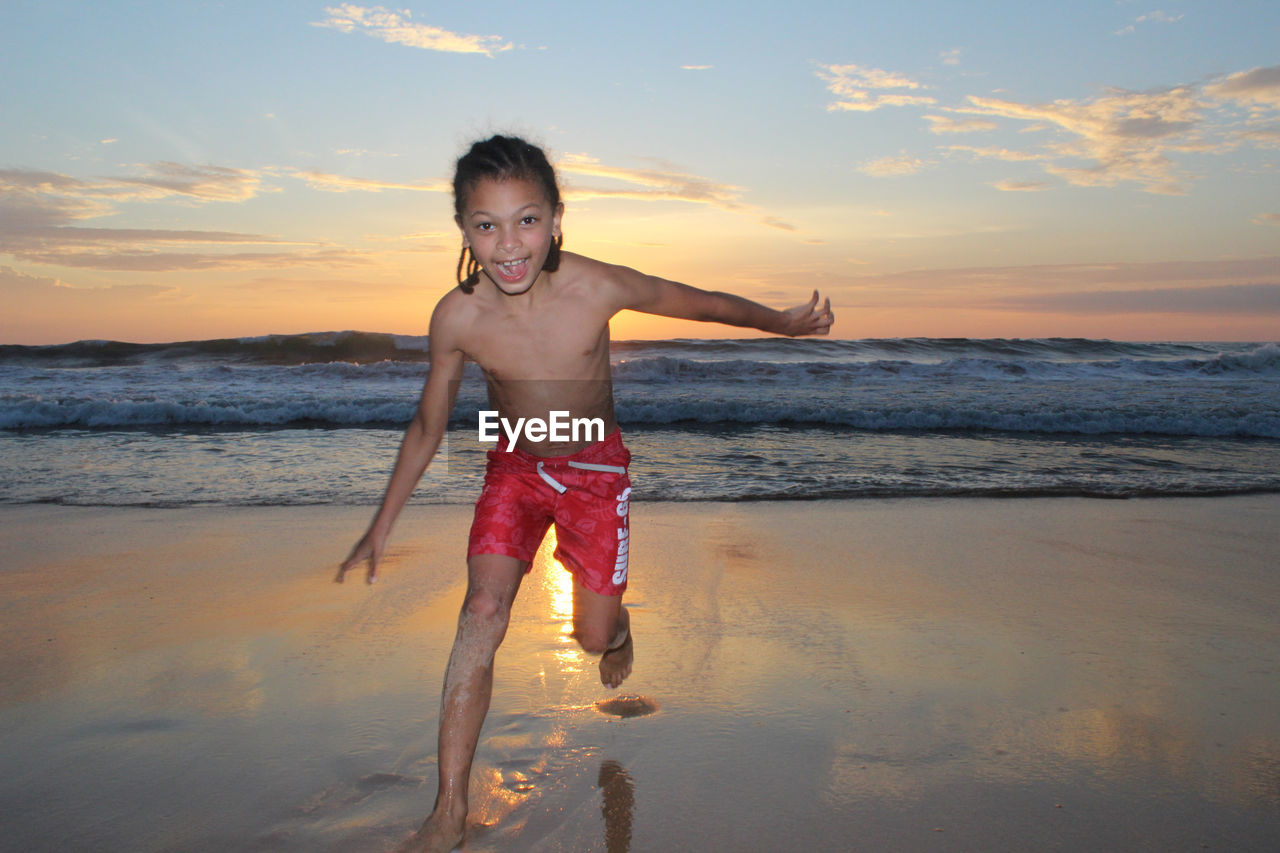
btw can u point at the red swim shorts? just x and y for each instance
(586, 494)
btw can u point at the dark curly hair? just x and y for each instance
(502, 158)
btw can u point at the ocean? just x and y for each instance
(317, 418)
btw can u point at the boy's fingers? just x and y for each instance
(355, 559)
(826, 317)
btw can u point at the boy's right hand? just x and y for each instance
(368, 550)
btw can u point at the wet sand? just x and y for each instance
(907, 674)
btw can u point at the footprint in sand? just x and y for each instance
(628, 706)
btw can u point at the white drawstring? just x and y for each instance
(585, 466)
(591, 466)
(551, 481)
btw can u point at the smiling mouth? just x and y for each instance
(512, 271)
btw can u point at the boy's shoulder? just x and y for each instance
(454, 312)
(600, 278)
(453, 299)
(574, 266)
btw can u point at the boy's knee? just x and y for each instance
(483, 607)
(595, 639)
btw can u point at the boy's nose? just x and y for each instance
(509, 240)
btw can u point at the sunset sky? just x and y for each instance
(173, 171)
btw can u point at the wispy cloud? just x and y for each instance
(1133, 137)
(156, 181)
(1009, 155)
(154, 261)
(656, 184)
(397, 28)
(697, 67)
(342, 183)
(207, 183)
(1117, 137)
(951, 57)
(1262, 135)
(14, 281)
(15, 284)
(902, 164)
(1021, 186)
(1159, 16)
(946, 124)
(661, 184)
(363, 152)
(1258, 88)
(41, 216)
(860, 89)
(775, 222)
(1267, 219)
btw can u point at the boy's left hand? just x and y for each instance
(809, 319)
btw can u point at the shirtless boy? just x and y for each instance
(536, 320)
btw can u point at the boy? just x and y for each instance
(536, 320)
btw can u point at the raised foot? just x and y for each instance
(439, 834)
(615, 664)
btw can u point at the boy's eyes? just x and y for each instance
(488, 226)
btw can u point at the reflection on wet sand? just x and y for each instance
(557, 585)
(618, 801)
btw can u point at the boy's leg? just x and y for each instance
(603, 626)
(492, 583)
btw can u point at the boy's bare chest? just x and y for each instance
(545, 346)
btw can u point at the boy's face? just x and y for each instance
(509, 227)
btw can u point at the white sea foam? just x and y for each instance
(772, 418)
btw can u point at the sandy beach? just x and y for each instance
(909, 674)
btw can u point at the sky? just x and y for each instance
(183, 170)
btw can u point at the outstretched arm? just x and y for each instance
(421, 440)
(654, 295)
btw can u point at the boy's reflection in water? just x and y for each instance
(616, 806)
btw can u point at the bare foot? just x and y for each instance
(615, 664)
(440, 834)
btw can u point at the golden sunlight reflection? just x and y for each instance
(558, 585)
